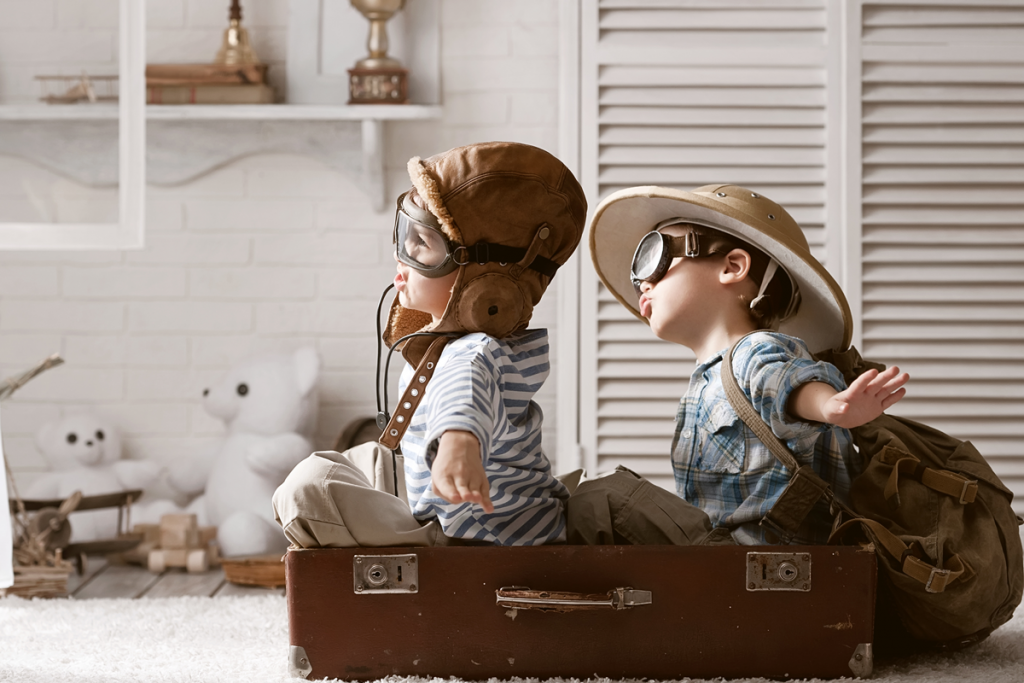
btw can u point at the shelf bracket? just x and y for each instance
(373, 162)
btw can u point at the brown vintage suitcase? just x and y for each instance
(702, 612)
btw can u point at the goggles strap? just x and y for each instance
(769, 273)
(483, 252)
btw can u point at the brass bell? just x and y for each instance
(235, 48)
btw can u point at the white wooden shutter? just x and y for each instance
(942, 225)
(684, 93)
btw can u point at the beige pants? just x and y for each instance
(345, 500)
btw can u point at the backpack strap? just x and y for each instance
(805, 488)
(953, 484)
(935, 580)
(413, 394)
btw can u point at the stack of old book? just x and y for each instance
(48, 579)
(208, 84)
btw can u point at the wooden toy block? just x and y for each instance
(179, 531)
(182, 543)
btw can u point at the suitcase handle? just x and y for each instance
(521, 597)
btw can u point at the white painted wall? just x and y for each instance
(270, 252)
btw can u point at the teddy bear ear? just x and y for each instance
(307, 367)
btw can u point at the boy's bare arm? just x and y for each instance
(458, 473)
(867, 398)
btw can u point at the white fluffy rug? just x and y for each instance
(245, 639)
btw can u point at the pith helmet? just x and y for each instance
(823, 318)
(495, 195)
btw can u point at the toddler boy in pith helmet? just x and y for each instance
(721, 265)
(478, 238)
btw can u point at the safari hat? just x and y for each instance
(822, 318)
(515, 213)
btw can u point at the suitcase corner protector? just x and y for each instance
(298, 663)
(862, 662)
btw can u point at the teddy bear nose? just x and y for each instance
(206, 392)
(88, 443)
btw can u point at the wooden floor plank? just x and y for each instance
(177, 582)
(123, 581)
(93, 566)
(231, 589)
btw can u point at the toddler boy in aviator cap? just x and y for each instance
(724, 267)
(477, 240)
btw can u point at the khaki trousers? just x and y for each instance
(345, 500)
(623, 508)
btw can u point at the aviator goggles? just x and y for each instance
(419, 241)
(421, 245)
(654, 255)
(656, 250)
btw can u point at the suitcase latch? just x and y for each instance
(385, 574)
(779, 572)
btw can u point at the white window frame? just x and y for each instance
(129, 231)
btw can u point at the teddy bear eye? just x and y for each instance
(243, 389)
(72, 437)
(99, 434)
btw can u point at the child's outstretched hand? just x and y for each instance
(458, 473)
(867, 398)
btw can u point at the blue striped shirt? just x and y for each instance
(723, 468)
(486, 386)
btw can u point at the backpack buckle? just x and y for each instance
(942, 575)
(964, 500)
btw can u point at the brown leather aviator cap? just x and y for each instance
(514, 214)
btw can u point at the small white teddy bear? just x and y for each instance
(269, 405)
(84, 454)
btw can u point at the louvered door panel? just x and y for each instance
(942, 100)
(689, 93)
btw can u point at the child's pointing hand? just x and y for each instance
(457, 474)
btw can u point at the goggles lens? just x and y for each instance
(656, 250)
(649, 262)
(422, 247)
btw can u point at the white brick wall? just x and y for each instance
(270, 252)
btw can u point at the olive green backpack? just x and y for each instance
(937, 516)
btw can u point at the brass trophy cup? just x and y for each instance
(378, 79)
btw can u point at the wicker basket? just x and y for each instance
(257, 570)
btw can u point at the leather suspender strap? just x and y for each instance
(805, 488)
(413, 394)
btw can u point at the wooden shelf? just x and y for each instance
(220, 112)
(372, 117)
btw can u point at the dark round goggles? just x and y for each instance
(655, 252)
(419, 241)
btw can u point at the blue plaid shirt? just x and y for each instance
(723, 468)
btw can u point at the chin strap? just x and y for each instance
(794, 299)
(769, 273)
(413, 394)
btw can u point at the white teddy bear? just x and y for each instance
(84, 454)
(269, 406)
